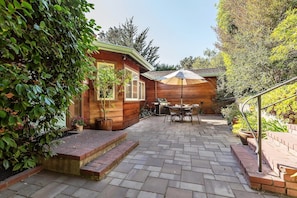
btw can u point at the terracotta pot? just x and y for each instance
(244, 135)
(102, 124)
(79, 128)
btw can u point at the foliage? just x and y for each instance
(267, 125)
(165, 67)
(286, 110)
(43, 47)
(211, 59)
(108, 77)
(285, 36)
(145, 111)
(241, 124)
(230, 112)
(80, 121)
(187, 62)
(126, 35)
(244, 30)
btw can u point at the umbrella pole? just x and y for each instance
(181, 97)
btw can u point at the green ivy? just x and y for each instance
(43, 49)
(286, 110)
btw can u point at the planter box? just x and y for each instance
(102, 124)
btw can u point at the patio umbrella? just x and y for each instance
(182, 77)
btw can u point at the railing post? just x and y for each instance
(259, 134)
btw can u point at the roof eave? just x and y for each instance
(124, 50)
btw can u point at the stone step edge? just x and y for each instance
(19, 177)
(108, 145)
(69, 164)
(267, 180)
(99, 167)
(278, 161)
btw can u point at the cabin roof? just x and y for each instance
(208, 72)
(124, 50)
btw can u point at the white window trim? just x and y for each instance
(135, 72)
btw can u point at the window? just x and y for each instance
(135, 89)
(141, 90)
(106, 89)
(131, 88)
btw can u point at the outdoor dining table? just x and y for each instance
(183, 109)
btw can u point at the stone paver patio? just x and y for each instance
(174, 160)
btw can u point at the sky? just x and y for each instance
(180, 28)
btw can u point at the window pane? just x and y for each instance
(141, 90)
(128, 90)
(135, 87)
(128, 86)
(132, 88)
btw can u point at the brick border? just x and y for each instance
(18, 177)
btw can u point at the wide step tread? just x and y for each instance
(289, 140)
(100, 166)
(276, 156)
(265, 180)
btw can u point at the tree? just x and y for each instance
(244, 29)
(43, 49)
(285, 50)
(126, 35)
(187, 62)
(211, 59)
(163, 67)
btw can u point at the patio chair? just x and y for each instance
(174, 113)
(166, 112)
(194, 111)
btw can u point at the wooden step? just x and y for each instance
(277, 156)
(77, 150)
(99, 167)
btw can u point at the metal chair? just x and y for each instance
(194, 111)
(174, 112)
(167, 112)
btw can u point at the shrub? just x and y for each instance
(43, 50)
(230, 112)
(267, 125)
(286, 110)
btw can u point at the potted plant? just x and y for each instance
(107, 83)
(79, 123)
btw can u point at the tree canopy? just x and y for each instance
(127, 35)
(256, 51)
(43, 50)
(211, 59)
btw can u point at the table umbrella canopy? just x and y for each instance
(182, 77)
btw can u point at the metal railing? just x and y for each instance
(258, 137)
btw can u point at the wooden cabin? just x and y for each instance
(203, 94)
(125, 102)
(141, 91)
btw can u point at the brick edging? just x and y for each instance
(18, 177)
